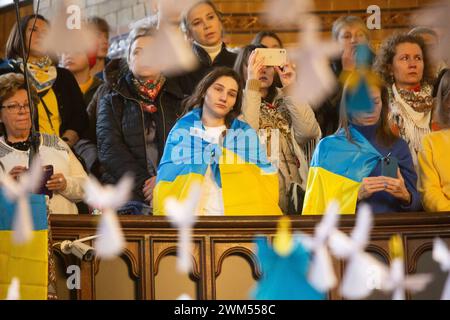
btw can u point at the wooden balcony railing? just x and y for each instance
(224, 261)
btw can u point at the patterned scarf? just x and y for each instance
(42, 73)
(148, 92)
(419, 99)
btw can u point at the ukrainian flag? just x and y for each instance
(29, 262)
(337, 169)
(240, 166)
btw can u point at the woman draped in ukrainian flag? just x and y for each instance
(348, 166)
(212, 145)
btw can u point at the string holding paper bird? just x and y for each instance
(441, 254)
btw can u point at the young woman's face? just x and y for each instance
(270, 42)
(221, 97)
(351, 35)
(368, 119)
(204, 25)
(38, 34)
(102, 44)
(15, 113)
(408, 65)
(75, 62)
(137, 60)
(266, 76)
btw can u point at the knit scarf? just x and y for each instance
(148, 92)
(42, 73)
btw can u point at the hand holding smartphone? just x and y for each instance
(48, 172)
(389, 167)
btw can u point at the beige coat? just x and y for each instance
(301, 135)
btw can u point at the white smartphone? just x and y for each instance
(273, 57)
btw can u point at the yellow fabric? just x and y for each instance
(29, 263)
(434, 171)
(246, 189)
(324, 186)
(84, 87)
(52, 104)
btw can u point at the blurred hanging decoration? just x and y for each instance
(359, 81)
(315, 79)
(396, 281)
(286, 13)
(441, 254)
(18, 191)
(168, 52)
(14, 290)
(284, 277)
(108, 199)
(321, 273)
(68, 33)
(363, 273)
(437, 17)
(171, 10)
(182, 216)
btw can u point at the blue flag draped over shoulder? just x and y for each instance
(337, 169)
(28, 262)
(240, 167)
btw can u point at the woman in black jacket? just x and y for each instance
(202, 24)
(61, 110)
(135, 117)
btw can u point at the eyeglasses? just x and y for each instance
(15, 108)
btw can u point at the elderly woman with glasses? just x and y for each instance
(64, 185)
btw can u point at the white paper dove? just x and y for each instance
(363, 272)
(111, 241)
(184, 296)
(13, 290)
(397, 282)
(18, 191)
(315, 79)
(286, 12)
(169, 52)
(441, 254)
(172, 9)
(437, 17)
(182, 216)
(321, 274)
(68, 33)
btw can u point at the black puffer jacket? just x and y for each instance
(189, 81)
(120, 128)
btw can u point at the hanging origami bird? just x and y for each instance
(441, 254)
(68, 33)
(111, 241)
(14, 290)
(315, 79)
(396, 281)
(286, 12)
(358, 82)
(169, 52)
(321, 274)
(284, 277)
(363, 272)
(18, 191)
(182, 216)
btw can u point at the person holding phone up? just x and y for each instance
(63, 173)
(377, 164)
(271, 109)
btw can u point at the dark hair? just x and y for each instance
(196, 100)
(384, 134)
(384, 60)
(100, 24)
(242, 61)
(262, 34)
(14, 44)
(443, 100)
(184, 17)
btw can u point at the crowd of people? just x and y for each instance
(217, 125)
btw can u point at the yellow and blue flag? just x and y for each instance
(249, 182)
(337, 169)
(28, 262)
